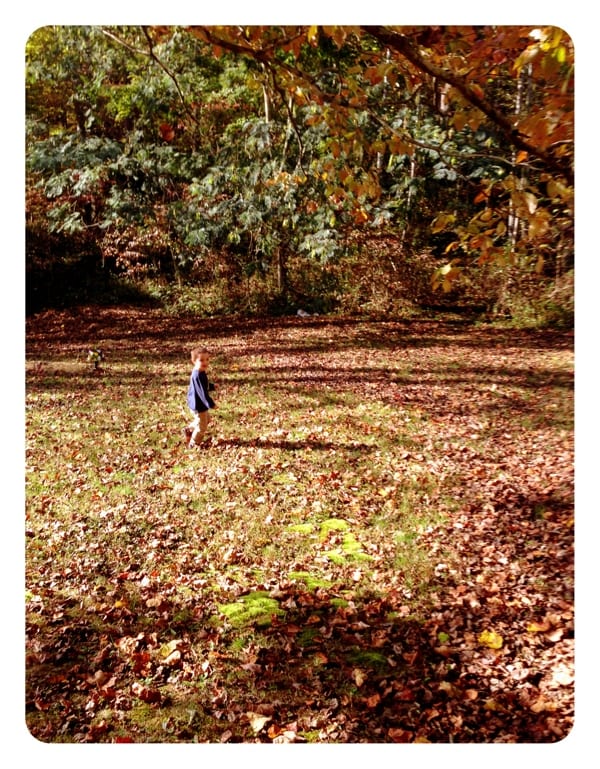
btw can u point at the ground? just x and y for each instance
(375, 544)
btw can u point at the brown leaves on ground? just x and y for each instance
(376, 546)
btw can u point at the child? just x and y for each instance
(198, 398)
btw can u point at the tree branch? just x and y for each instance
(402, 45)
(167, 71)
(405, 48)
(152, 55)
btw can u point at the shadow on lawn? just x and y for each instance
(478, 391)
(158, 336)
(303, 444)
(318, 377)
(322, 668)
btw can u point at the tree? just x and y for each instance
(474, 78)
(234, 149)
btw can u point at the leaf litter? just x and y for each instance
(376, 545)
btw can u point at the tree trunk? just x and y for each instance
(281, 265)
(514, 223)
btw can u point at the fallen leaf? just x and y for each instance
(100, 678)
(491, 639)
(257, 721)
(359, 676)
(400, 735)
(449, 688)
(373, 700)
(145, 693)
(173, 659)
(562, 676)
(538, 627)
(274, 731)
(542, 705)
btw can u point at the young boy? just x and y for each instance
(198, 397)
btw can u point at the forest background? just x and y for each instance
(261, 170)
(494, 289)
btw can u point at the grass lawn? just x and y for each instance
(375, 544)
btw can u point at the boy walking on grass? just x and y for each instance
(198, 397)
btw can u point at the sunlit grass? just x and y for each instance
(306, 480)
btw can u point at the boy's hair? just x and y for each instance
(197, 352)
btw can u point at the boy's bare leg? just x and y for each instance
(195, 429)
(200, 427)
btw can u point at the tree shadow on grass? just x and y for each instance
(158, 336)
(294, 664)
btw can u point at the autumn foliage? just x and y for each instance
(266, 163)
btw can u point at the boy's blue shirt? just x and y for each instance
(198, 398)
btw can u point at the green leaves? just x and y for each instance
(285, 146)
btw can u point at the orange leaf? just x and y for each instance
(373, 700)
(167, 132)
(400, 735)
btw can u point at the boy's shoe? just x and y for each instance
(187, 434)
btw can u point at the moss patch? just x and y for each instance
(255, 608)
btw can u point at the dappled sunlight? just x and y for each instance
(373, 543)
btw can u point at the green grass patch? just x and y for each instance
(256, 608)
(368, 658)
(309, 579)
(332, 524)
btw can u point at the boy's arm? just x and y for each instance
(209, 387)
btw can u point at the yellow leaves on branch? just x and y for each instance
(539, 224)
(398, 146)
(445, 276)
(556, 189)
(551, 48)
(339, 34)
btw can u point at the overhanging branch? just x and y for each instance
(402, 45)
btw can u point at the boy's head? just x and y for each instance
(199, 357)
